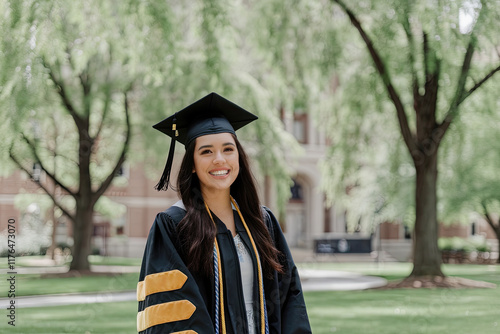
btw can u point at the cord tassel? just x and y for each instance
(165, 177)
(219, 286)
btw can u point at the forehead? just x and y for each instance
(215, 139)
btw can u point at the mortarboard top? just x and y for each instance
(209, 115)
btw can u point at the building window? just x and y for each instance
(123, 171)
(300, 128)
(327, 228)
(37, 172)
(297, 193)
(407, 232)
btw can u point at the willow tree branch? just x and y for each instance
(41, 185)
(86, 84)
(408, 136)
(107, 100)
(106, 183)
(460, 90)
(411, 59)
(479, 83)
(61, 90)
(33, 150)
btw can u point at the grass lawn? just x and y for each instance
(109, 318)
(33, 284)
(461, 311)
(405, 311)
(29, 285)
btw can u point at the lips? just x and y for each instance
(222, 172)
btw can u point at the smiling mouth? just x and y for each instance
(220, 172)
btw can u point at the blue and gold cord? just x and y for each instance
(216, 274)
(219, 297)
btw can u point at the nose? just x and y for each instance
(219, 158)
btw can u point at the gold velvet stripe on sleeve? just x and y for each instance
(163, 313)
(160, 282)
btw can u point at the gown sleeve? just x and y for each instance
(168, 296)
(292, 317)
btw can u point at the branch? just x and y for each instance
(401, 114)
(62, 93)
(38, 160)
(30, 175)
(426, 53)
(86, 87)
(60, 155)
(411, 59)
(479, 83)
(451, 115)
(460, 91)
(461, 94)
(104, 112)
(107, 94)
(106, 183)
(54, 151)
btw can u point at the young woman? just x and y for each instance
(216, 261)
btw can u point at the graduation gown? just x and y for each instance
(174, 300)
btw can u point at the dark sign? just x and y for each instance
(327, 246)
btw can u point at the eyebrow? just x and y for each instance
(210, 146)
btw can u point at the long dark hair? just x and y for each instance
(196, 230)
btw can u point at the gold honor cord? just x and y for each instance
(259, 271)
(221, 286)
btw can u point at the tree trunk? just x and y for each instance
(53, 243)
(426, 254)
(498, 238)
(82, 234)
(494, 226)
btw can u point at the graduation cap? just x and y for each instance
(209, 115)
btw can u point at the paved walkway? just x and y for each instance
(330, 280)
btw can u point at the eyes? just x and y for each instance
(226, 149)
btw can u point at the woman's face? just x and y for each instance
(216, 162)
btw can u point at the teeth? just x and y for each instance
(220, 172)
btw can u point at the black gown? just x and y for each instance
(174, 300)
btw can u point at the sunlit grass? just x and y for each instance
(113, 318)
(27, 285)
(405, 311)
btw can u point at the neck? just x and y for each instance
(218, 202)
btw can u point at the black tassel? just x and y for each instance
(165, 177)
